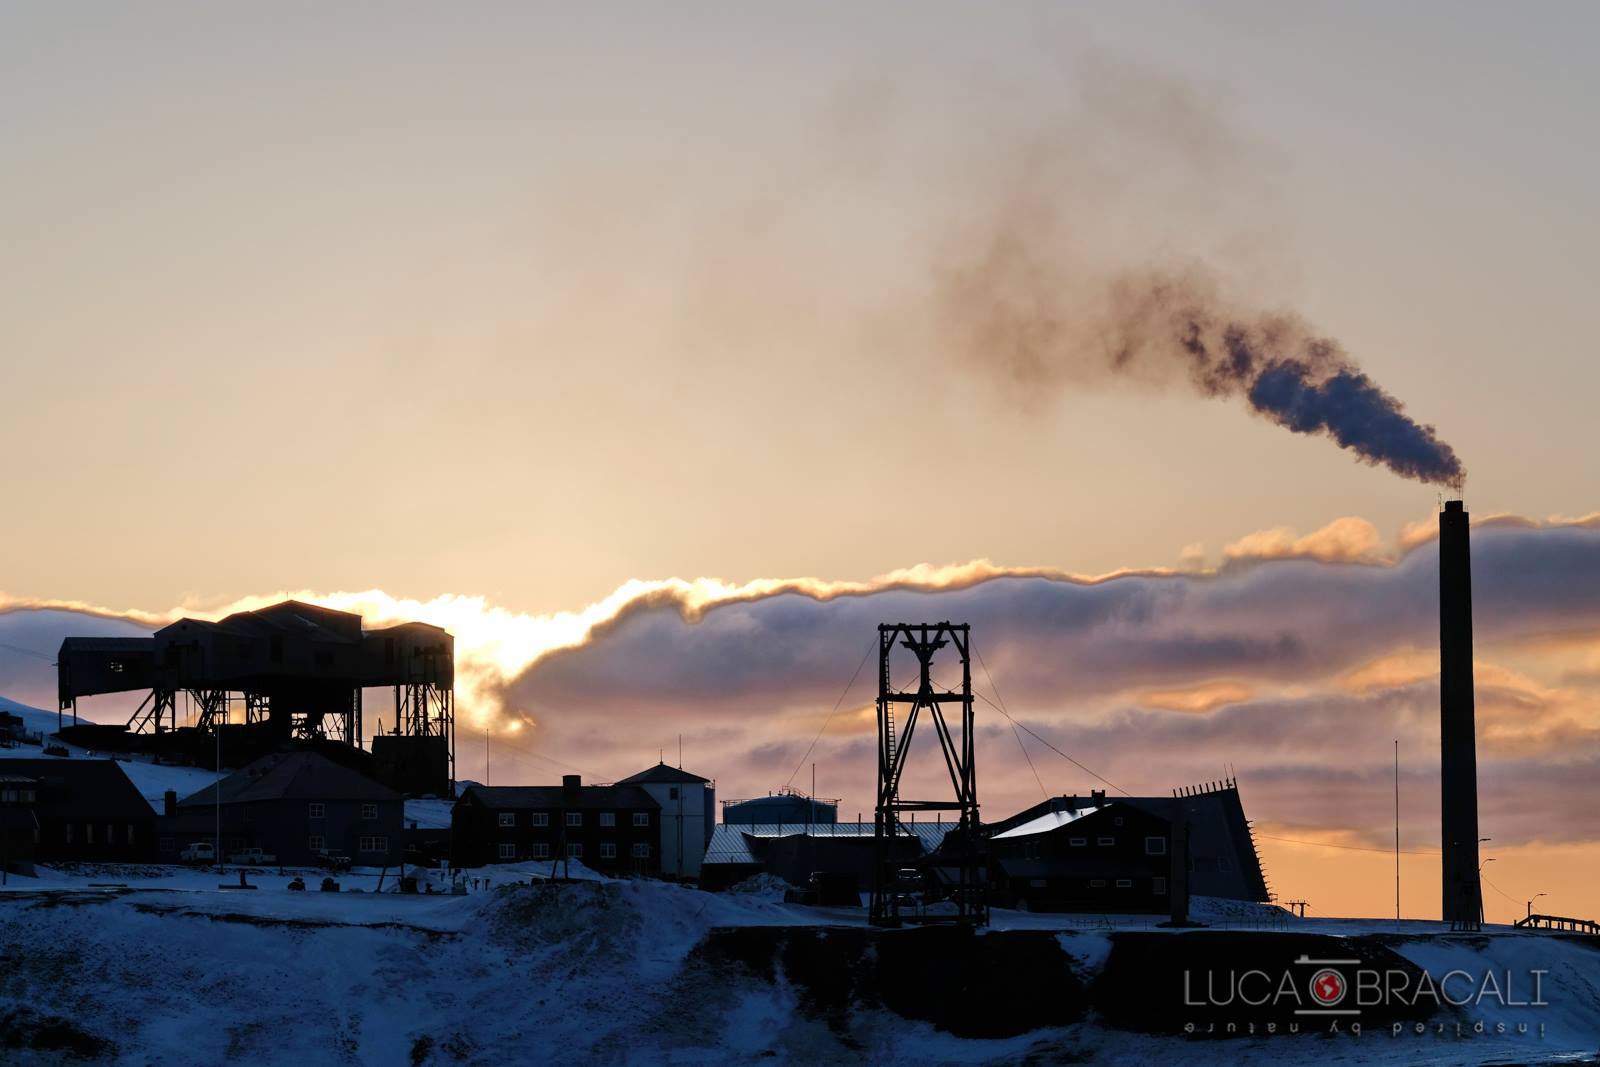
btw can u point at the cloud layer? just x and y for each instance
(1296, 664)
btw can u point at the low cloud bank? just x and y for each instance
(1296, 669)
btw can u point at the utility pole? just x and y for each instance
(218, 787)
(1397, 830)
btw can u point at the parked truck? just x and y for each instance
(199, 852)
(252, 857)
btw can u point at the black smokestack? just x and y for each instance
(1458, 754)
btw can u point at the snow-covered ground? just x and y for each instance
(174, 970)
(429, 814)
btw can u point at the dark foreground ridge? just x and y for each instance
(1007, 983)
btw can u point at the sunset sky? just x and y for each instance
(524, 318)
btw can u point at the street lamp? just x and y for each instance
(1536, 896)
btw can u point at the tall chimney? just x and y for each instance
(1458, 753)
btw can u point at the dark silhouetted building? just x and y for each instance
(613, 829)
(1114, 854)
(1084, 855)
(86, 810)
(290, 672)
(296, 806)
(794, 851)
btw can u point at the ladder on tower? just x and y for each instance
(888, 732)
(888, 712)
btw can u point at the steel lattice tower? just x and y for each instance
(962, 846)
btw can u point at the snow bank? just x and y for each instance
(591, 971)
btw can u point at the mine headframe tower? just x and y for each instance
(962, 847)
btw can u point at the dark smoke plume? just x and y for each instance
(1309, 386)
(1088, 204)
(1022, 311)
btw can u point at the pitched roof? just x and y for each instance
(82, 788)
(503, 797)
(746, 843)
(662, 773)
(108, 644)
(1043, 824)
(292, 776)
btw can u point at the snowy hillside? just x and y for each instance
(627, 972)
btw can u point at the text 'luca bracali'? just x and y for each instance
(1349, 993)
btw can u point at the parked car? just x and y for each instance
(332, 861)
(199, 852)
(252, 857)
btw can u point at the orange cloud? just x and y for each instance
(1391, 671)
(1197, 699)
(1346, 540)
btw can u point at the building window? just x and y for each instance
(1105, 842)
(369, 811)
(318, 843)
(372, 843)
(608, 818)
(315, 811)
(1158, 886)
(508, 851)
(1124, 883)
(541, 851)
(1155, 846)
(130, 833)
(69, 833)
(166, 844)
(1117, 821)
(608, 851)
(540, 818)
(1222, 864)
(1097, 883)
(641, 818)
(508, 818)
(88, 832)
(111, 833)
(641, 852)
(1078, 842)
(574, 818)
(672, 793)
(574, 852)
